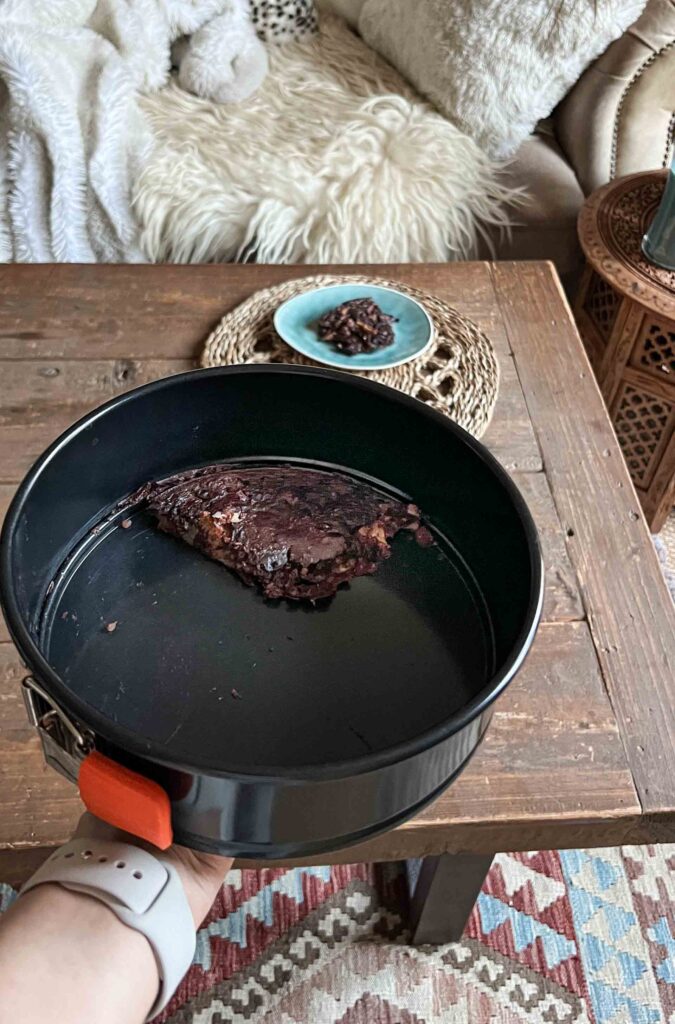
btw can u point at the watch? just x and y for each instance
(144, 891)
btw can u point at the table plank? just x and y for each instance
(70, 311)
(59, 391)
(39, 807)
(510, 436)
(562, 600)
(629, 610)
(42, 399)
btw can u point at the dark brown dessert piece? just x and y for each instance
(357, 326)
(296, 533)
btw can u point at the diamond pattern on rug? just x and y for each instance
(524, 931)
(650, 871)
(621, 982)
(260, 907)
(536, 926)
(569, 937)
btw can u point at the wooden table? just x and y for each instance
(581, 750)
(625, 309)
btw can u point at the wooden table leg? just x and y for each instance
(443, 891)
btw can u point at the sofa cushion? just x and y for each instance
(347, 9)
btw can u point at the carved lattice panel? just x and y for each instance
(640, 421)
(655, 348)
(601, 304)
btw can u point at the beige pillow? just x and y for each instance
(347, 9)
(494, 67)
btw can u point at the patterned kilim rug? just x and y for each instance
(555, 938)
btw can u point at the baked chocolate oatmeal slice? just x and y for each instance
(357, 326)
(296, 533)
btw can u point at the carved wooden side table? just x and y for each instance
(625, 311)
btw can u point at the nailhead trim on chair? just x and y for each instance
(669, 140)
(617, 117)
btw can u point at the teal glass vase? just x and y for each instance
(658, 244)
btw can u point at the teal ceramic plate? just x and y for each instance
(296, 322)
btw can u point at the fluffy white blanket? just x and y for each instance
(334, 159)
(72, 137)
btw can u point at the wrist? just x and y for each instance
(80, 956)
(144, 891)
(94, 928)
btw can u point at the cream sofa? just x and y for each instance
(619, 118)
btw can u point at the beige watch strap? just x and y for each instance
(144, 892)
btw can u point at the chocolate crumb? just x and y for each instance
(110, 627)
(423, 537)
(235, 694)
(125, 524)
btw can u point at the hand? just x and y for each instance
(202, 875)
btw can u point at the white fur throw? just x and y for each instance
(72, 138)
(494, 67)
(335, 159)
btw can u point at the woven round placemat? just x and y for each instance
(458, 374)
